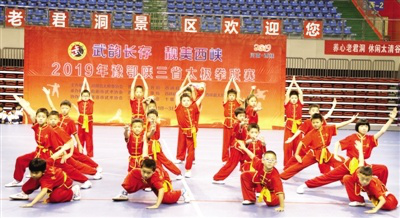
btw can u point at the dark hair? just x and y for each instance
(232, 91)
(239, 110)
(362, 122)
(139, 87)
(246, 102)
(186, 95)
(253, 126)
(85, 91)
(149, 163)
(294, 92)
(269, 152)
(317, 116)
(54, 113)
(42, 110)
(152, 101)
(365, 170)
(136, 120)
(152, 111)
(188, 89)
(313, 105)
(13, 109)
(1, 105)
(66, 103)
(37, 165)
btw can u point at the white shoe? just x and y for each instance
(356, 204)
(185, 195)
(247, 202)
(258, 194)
(97, 176)
(194, 162)
(14, 183)
(147, 189)
(179, 177)
(77, 193)
(188, 173)
(178, 162)
(86, 185)
(20, 196)
(121, 197)
(223, 163)
(99, 170)
(220, 182)
(301, 189)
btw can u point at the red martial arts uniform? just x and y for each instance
(188, 131)
(156, 153)
(374, 190)
(135, 148)
(85, 125)
(135, 182)
(252, 115)
(55, 180)
(351, 164)
(317, 141)
(270, 181)
(293, 113)
(138, 109)
(229, 114)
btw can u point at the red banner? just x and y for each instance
(272, 27)
(59, 58)
(378, 48)
(15, 17)
(313, 29)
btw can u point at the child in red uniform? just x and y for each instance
(45, 138)
(368, 142)
(231, 102)
(134, 142)
(255, 144)
(137, 97)
(155, 150)
(265, 175)
(305, 128)
(186, 110)
(252, 107)
(317, 140)
(363, 180)
(85, 120)
(293, 112)
(52, 181)
(68, 125)
(150, 176)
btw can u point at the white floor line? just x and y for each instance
(168, 152)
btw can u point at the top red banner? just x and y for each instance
(377, 48)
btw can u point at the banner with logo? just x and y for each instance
(377, 48)
(59, 59)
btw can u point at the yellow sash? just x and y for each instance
(251, 167)
(42, 150)
(353, 165)
(324, 156)
(156, 148)
(295, 124)
(264, 193)
(194, 134)
(167, 186)
(85, 124)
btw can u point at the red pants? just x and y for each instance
(289, 149)
(249, 188)
(86, 138)
(134, 162)
(71, 171)
(308, 160)
(23, 161)
(339, 172)
(323, 168)
(58, 195)
(226, 143)
(81, 167)
(226, 170)
(133, 184)
(350, 181)
(84, 159)
(163, 160)
(181, 150)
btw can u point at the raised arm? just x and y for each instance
(299, 91)
(133, 85)
(226, 90)
(145, 86)
(237, 89)
(287, 95)
(242, 147)
(27, 107)
(345, 123)
(185, 80)
(179, 93)
(82, 88)
(47, 92)
(327, 115)
(88, 88)
(198, 102)
(385, 127)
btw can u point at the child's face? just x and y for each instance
(313, 110)
(363, 129)
(152, 106)
(1, 108)
(85, 96)
(36, 175)
(231, 96)
(294, 99)
(241, 117)
(18, 107)
(253, 133)
(137, 128)
(65, 109)
(269, 161)
(253, 101)
(53, 120)
(41, 118)
(13, 111)
(146, 172)
(316, 123)
(152, 117)
(186, 101)
(364, 180)
(138, 92)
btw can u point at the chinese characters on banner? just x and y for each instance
(272, 27)
(15, 17)
(141, 23)
(101, 21)
(313, 29)
(59, 18)
(231, 26)
(378, 48)
(190, 24)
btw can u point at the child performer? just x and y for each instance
(138, 95)
(134, 142)
(252, 107)
(85, 120)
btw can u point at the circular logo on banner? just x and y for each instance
(77, 50)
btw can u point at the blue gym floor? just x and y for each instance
(208, 200)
